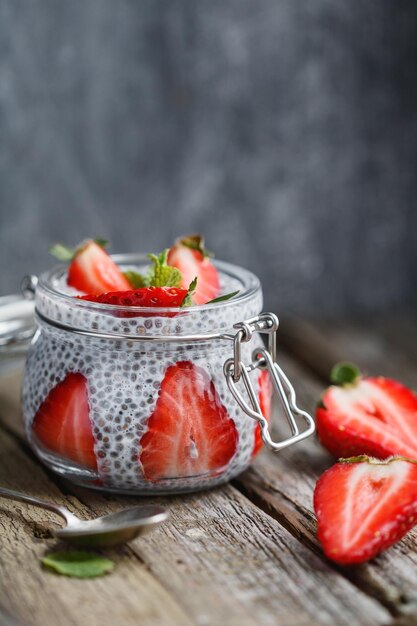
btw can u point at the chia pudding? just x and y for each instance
(144, 400)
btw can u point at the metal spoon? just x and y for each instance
(108, 530)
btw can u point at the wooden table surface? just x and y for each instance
(242, 555)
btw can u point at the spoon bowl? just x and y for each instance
(105, 531)
(113, 529)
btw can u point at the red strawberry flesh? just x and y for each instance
(364, 507)
(143, 297)
(62, 423)
(374, 416)
(94, 272)
(190, 432)
(192, 263)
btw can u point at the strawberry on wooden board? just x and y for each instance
(367, 415)
(265, 404)
(364, 505)
(190, 432)
(62, 423)
(91, 269)
(189, 256)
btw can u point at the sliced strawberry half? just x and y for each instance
(265, 404)
(93, 271)
(190, 258)
(366, 415)
(363, 506)
(62, 423)
(190, 432)
(145, 296)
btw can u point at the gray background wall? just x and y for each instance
(285, 130)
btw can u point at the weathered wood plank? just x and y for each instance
(36, 597)
(322, 344)
(223, 559)
(400, 331)
(284, 484)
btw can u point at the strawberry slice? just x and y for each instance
(366, 415)
(145, 297)
(189, 256)
(364, 505)
(190, 432)
(93, 271)
(62, 423)
(265, 404)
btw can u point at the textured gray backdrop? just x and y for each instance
(285, 130)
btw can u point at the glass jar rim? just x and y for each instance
(251, 286)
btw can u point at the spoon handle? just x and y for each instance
(23, 497)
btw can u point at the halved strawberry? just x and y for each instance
(91, 269)
(62, 423)
(145, 296)
(174, 297)
(190, 432)
(367, 415)
(265, 404)
(363, 506)
(189, 256)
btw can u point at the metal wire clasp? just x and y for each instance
(234, 370)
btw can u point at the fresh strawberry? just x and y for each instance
(190, 432)
(265, 404)
(91, 269)
(364, 505)
(190, 258)
(145, 297)
(62, 423)
(362, 415)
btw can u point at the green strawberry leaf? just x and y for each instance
(66, 254)
(161, 274)
(135, 279)
(61, 252)
(344, 374)
(103, 243)
(227, 296)
(196, 242)
(188, 300)
(78, 564)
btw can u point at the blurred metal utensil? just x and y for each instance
(105, 531)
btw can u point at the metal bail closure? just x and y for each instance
(234, 370)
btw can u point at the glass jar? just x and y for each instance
(152, 400)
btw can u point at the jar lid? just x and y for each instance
(17, 326)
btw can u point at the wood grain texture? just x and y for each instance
(283, 485)
(220, 559)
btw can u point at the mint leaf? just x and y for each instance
(78, 564)
(61, 252)
(135, 279)
(227, 296)
(188, 300)
(344, 374)
(161, 274)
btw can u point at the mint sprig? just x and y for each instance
(188, 300)
(135, 279)
(78, 564)
(162, 274)
(227, 296)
